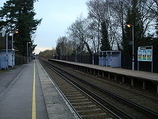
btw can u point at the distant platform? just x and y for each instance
(116, 73)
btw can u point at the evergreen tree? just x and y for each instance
(105, 45)
(19, 15)
(134, 18)
(156, 27)
(127, 35)
(137, 23)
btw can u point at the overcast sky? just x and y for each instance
(57, 16)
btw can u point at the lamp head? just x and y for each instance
(16, 32)
(129, 25)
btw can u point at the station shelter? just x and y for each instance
(110, 58)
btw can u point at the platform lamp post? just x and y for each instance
(13, 44)
(27, 51)
(91, 37)
(6, 49)
(7, 46)
(13, 37)
(130, 25)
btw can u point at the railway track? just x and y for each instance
(106, 104)
(85, 105)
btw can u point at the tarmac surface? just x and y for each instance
(27, 92)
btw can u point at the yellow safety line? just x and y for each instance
(34, 96)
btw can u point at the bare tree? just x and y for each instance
(79, 33)
(152, 8)
(61, 46)
(118, 13)
(103, 11)
(85, 33)
(97, 12)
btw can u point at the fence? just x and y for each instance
(80, 58)
(20, 60)
(143, 66)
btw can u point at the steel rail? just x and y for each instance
(135, 105)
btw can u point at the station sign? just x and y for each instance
(145, 53)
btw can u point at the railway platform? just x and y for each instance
(141, 78)
(26, 92)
